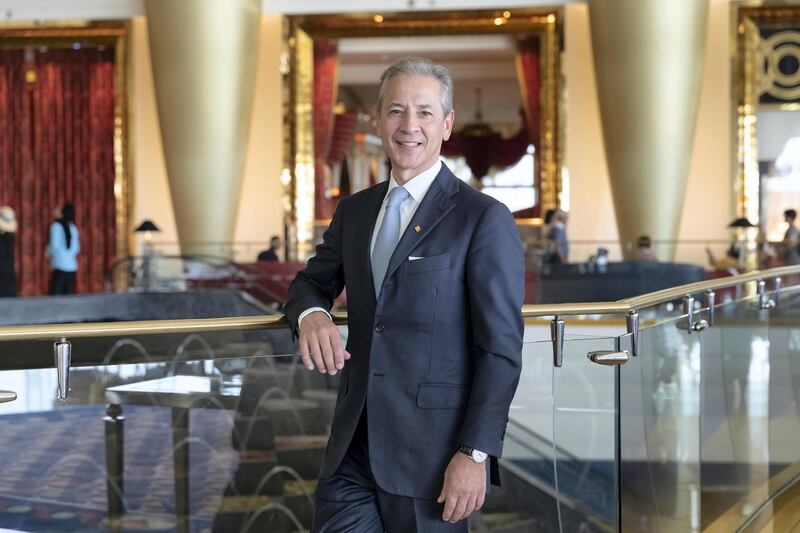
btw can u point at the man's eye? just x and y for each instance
(427, 114)
(394, 111)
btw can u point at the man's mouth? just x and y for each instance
(409, 144)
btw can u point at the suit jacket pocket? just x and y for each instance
(442, 396)
(428, 264)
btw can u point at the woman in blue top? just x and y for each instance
(64, 247)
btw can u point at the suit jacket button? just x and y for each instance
(379, 328)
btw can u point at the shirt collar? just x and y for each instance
(419, 184)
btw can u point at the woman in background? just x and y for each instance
(64, 248)
(8, 275)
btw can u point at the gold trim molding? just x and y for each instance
(107, 33)
(749, 20)
(300, 32)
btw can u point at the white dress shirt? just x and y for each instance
(417, 188)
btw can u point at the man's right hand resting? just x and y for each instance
(321, 344)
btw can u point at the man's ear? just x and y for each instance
(448, 124)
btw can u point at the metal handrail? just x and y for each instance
(153, 327)
(668, 295)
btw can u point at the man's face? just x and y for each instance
(412, 124)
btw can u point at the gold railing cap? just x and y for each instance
(154, 327)
(674, 293)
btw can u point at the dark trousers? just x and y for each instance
(350, 500)
(62, 282)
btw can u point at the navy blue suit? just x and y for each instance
(436, 359)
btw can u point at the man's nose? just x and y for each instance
(410, 123)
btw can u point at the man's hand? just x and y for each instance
(321, 344)
(464, 488)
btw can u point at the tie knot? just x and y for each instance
(397, 196)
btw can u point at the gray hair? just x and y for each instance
(420, 66)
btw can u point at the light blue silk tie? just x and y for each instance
(388, 235)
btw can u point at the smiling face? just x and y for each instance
(412, 124)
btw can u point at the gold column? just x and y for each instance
(204, 56)
(648, 61)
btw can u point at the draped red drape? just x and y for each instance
(484, 148)
(57, 145)
(530, 85)
(344, 130)
(323, 98)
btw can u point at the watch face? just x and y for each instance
(479, 456)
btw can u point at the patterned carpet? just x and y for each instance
(52, 469)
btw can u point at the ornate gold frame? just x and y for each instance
(114, 34)
(300, 31)
(749, 18)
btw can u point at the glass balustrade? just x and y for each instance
(695, 428)
(213, 431)
(583, 417)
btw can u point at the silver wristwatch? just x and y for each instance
(476, 455)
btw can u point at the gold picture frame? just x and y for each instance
(300, 32)
(749, 19)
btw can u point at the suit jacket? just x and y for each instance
(437, 357)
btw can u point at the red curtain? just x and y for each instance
(529, 76)
(57, 145)
(344, 130)
(324, 98)
(484, 148)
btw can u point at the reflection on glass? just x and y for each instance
(225, 444)
(659, 431)
(584, 423)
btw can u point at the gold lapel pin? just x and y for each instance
(417, 228)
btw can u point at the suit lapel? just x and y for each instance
(434, 207)
(366, 224)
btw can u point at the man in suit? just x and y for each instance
(434, 272)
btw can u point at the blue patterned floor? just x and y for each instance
(52, 469)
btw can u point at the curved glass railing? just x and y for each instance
(647, 420)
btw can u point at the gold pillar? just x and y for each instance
(204, 61)
(648, 58)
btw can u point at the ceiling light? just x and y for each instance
(378, 18)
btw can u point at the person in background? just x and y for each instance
(791, 239)
(64, 248)
(557, 235)
(729, 263)
(8, 275)
(548, 218)
(644, 252)
(272, 253)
